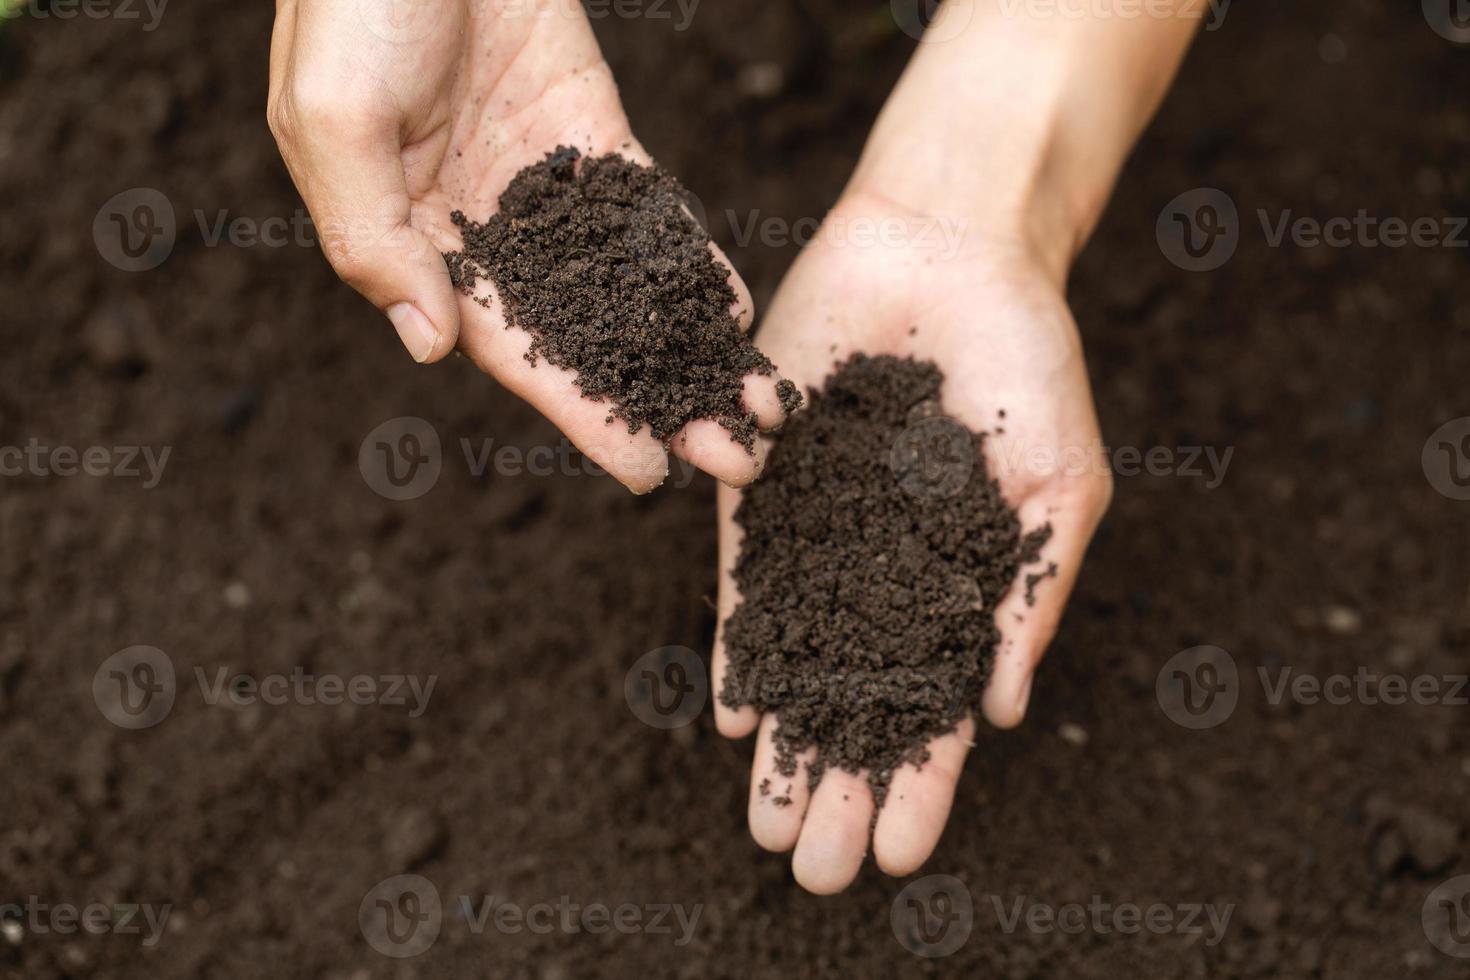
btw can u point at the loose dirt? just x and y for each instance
(869, 576)
(601, 262)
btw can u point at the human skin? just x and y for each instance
(1012, 131)
(391, 114)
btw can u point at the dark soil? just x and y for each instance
(605, 268)
(530, 597)
(868, 585)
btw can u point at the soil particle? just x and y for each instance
(1033, 579)
(601, 262)
(865, 621)
(1073, 734)
(412, 837)
(116, 338)
(1407, 833)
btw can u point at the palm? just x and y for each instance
(512, 89)
(481, 93)
(1002, 334)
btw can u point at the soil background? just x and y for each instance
(263, 549)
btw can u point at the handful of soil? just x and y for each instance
(876, 549)
(604, 266)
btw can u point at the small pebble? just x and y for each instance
(1332, 49)
(1073, 734)
(761, 79)
(1343, 621)
(237, 595)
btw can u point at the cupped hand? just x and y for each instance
(880, 279)
(391, 114)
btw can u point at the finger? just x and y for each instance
(777, 802)
(761, 398)
(635, 459)
(759, 390)
(834, 836)
(743, 309)
(918, 804)
(345, 157)
(708, 445)
(283, 33)
(1027, 629)
(731, 722)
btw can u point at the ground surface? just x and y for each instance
(263, 549)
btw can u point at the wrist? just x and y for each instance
(1019, 126)
(1008, 198)
(988, 160)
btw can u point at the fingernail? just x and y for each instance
(415, 330)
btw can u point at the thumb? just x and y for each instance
(350, 174)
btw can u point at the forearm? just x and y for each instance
(1021, 121)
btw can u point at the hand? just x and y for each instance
(995, 322)
(392, 113)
